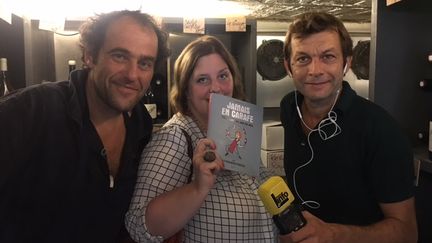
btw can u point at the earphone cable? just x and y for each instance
(330, 120)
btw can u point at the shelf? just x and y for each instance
(421, 154)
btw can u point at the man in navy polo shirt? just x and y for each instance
(345, 158)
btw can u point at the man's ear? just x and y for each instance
(347, 65)
(88, 59)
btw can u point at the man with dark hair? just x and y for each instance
(345, 157)
(70, 150)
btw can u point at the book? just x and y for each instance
(236, 128)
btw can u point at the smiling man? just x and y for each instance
(70, 149)
(346, 158)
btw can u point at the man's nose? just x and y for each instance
(316, 67)
(132, 71)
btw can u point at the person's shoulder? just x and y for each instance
(46, 85)
(47, 91)
(182, 123)
(375, 115)
(42, 100)
(169, 129)
(169, 136)
(180, 128)
(173, 129)
(351, 99)
(371, 108)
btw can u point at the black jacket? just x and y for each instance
(54, 179)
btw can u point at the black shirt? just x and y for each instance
(367, 163)
(54, 178)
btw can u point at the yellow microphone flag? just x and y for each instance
(275, 195)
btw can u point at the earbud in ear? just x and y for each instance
(345, 68)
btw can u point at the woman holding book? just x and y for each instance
(177, 192)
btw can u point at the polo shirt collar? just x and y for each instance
(346, 98)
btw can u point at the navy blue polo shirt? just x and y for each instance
(367, 163)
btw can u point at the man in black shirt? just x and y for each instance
(70, 150)
(345, 158)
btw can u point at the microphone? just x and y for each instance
(277, 199)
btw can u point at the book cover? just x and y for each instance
(236, 128)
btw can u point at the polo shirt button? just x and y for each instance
(302, 144)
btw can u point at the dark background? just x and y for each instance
(401, 39)
(402, 35)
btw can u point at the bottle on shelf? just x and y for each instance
(158, 83)
(430, 140)
(150, 103)
(3, 77)
(425, 84)
(71, 65)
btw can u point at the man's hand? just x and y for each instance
(315, 231)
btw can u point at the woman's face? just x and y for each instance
(211, 75)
